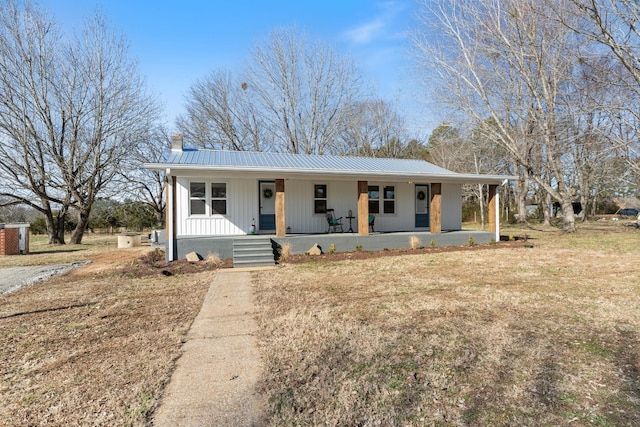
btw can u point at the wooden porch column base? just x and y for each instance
(281, 223)
(363, 208)
(435, 209)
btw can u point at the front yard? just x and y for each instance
(506, 335)
(547, 335)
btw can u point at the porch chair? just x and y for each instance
(334, 223)
(372, 220)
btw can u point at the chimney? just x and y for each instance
(176, 142)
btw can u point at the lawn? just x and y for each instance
(497, 335)
(97, 345)
(542, 335)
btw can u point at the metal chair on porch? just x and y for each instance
(334, 223)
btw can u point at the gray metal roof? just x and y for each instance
(303, 164)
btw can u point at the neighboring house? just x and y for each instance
(213, 194)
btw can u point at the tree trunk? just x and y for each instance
(83, 223)
(568, 217)
(546, 209)
(584, 203)
(481, 199)
(55, 228)
(522, 186)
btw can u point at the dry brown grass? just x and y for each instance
(516, 336)
(41, 253)
(97, 345)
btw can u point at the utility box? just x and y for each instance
(14, 239)
(158, 238)
(129, 240)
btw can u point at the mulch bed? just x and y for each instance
(362, 255)
(154, 264)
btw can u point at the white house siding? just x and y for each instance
(451, 206)
(342, 196)
(241, 204)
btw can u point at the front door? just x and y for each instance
(422, 205)
(267, 217)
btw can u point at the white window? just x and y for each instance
(212, 203)
(218, 198)
(197, 198)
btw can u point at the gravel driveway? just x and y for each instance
(13, 278)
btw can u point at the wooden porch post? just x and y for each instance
(435, 209)
(363, 208)
(281, 223)
(493, 219)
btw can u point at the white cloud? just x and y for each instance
(366, 32)
(378, 27)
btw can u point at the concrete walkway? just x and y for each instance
(214, 382)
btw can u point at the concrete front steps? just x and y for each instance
(253, 252)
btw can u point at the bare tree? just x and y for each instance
(221, 114)
(71, 109)
(471, 153)
(304, 90)
(373, 128)
(145, 185)
(508, 61)
(613, 27)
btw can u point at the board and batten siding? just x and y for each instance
(451, 207)
(242, 201)
(342, 196)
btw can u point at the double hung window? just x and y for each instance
(382, 201)
(207, 198)
(320, 198)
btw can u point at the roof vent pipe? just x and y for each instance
(176, 142)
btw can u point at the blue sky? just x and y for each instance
(177, 42)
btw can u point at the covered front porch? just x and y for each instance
(433, 206)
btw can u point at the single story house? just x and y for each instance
(217, 198)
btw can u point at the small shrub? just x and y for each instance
(332, 248)
(433, 243)
(492, 241)
(285, 251)
(414, 242)
(358, 247)
(471, 241)
(511, 238)
(214, 259)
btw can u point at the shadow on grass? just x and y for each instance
(453, 375)
(47, 310)
(59, 251)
